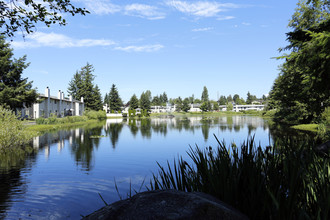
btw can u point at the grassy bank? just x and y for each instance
(306, 127)
(287, 181)
(53, 123)
(42, 128)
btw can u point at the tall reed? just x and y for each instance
(285, 181)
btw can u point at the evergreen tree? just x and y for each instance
(156, 101)
(179, 104)
(192, 99)
(15, 91)
(96, 104)
(229, 99)
(302, 90)
(75, 86)
(222, 100)
(134, 102)
(250, 98)
(186, 105)
(236, 98)
(115, 102)
(81, 85)
(106, 99)
(145, 102)
(205, 95)
(164, 98)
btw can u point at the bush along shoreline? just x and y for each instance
(287, 181)
(13, 134)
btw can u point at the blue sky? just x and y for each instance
(166, 45)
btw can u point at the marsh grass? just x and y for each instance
(287, 181)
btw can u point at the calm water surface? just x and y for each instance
(63, 178)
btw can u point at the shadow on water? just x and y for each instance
(11, 165)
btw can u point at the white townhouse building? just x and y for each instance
(58, 105)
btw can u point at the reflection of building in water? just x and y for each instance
(46, 140)
(248, 120)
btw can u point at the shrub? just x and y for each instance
(96, 115)
(124, 115)
(12, 132)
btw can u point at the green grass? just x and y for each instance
(287, 181)
(306, 127)
(42, 128)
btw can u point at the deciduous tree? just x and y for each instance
(24, 15)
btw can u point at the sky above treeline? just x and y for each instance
(163, 45)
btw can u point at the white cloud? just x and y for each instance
(201, 8)
(202, 29)
(104, 7)
(40, 39)
(144, 48)
(144, 11)
(101, 7)
(222, 18)
(246, 23)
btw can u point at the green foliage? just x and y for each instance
(115, 101)
(302, 90)
(143, 113)
(250, 98)
(81, 85)
(205, 95)
(206, 106)
(133, 102)
(12, 132)
(286, 181)
(185, 105)
(229, 99)
(99, 115)
(14, 90)
(145, 100)
(124, 115)
(230, 106)
(325, 117)
(52, 120)
(88, 115)
(131, 112)
(178, 104)
(15, 17)
(215, 106)
(222, 100)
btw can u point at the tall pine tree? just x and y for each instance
(15, 91)
(134, 102)
(115, 101)
(81, 85)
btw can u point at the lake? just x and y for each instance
(63, 178)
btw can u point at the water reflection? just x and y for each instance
(12, 163)
(87, 148)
